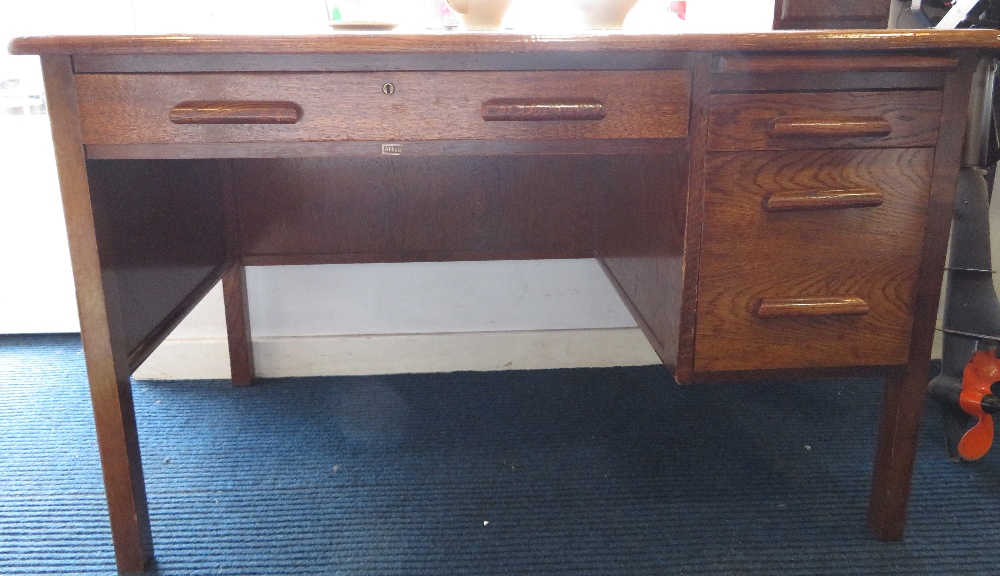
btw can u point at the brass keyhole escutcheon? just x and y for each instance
(388, 88)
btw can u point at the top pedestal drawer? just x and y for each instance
(341, 106)
(799, 120)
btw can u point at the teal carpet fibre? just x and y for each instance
(583, 471)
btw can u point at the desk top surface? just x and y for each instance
(484, 42)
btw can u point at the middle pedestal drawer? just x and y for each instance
(811, 256)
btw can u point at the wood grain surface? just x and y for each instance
(746, 121)
(237, 306)
(161, 248)
(380, 61)
(506, 42)
(235, 112)
(671, 188)
(640, 242)
(799, 201)
(100, 323)
(825, 80)
(374, 149)
(749, 254)
(812, 306)
(426, 208)
(902, 401)
(819, 14)
(234, 289)
(829, 126)
(838, 63)
(134, 108)
(526, 110)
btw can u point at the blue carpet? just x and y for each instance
(596, 471)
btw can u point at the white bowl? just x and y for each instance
(605, 14)
(481, 14)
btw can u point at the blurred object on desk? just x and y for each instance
(824, 14)
(378, 14)
(604, 14)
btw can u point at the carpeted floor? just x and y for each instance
(608, 471)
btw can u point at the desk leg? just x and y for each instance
(234, 290)
(100, 327)
(899, 428)
(118, 442)
(902, 403)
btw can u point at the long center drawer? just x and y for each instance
(343, 106)
(809, 259)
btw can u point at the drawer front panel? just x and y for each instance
(798, 121)
(825, 284)
(210, 108)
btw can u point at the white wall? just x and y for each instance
(421, 317)
(36, 282)
(36, 290)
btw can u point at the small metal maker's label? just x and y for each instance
(392, 149)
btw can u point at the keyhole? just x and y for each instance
(388, 88)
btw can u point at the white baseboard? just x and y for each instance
(208, 358)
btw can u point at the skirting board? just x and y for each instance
(208, 358)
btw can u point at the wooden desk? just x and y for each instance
(767, 205)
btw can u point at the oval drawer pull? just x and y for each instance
(512, 110)
(230, 112)
(823, 200)
(812, 306)
(829, 127)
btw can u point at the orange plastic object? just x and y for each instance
(981, 372)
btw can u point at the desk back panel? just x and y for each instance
(435, 208)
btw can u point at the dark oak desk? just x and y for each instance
(767, 205)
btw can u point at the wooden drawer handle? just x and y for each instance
(823, 200)
(812, 306)
(508, 110)
(829, 127)
(229, 112)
